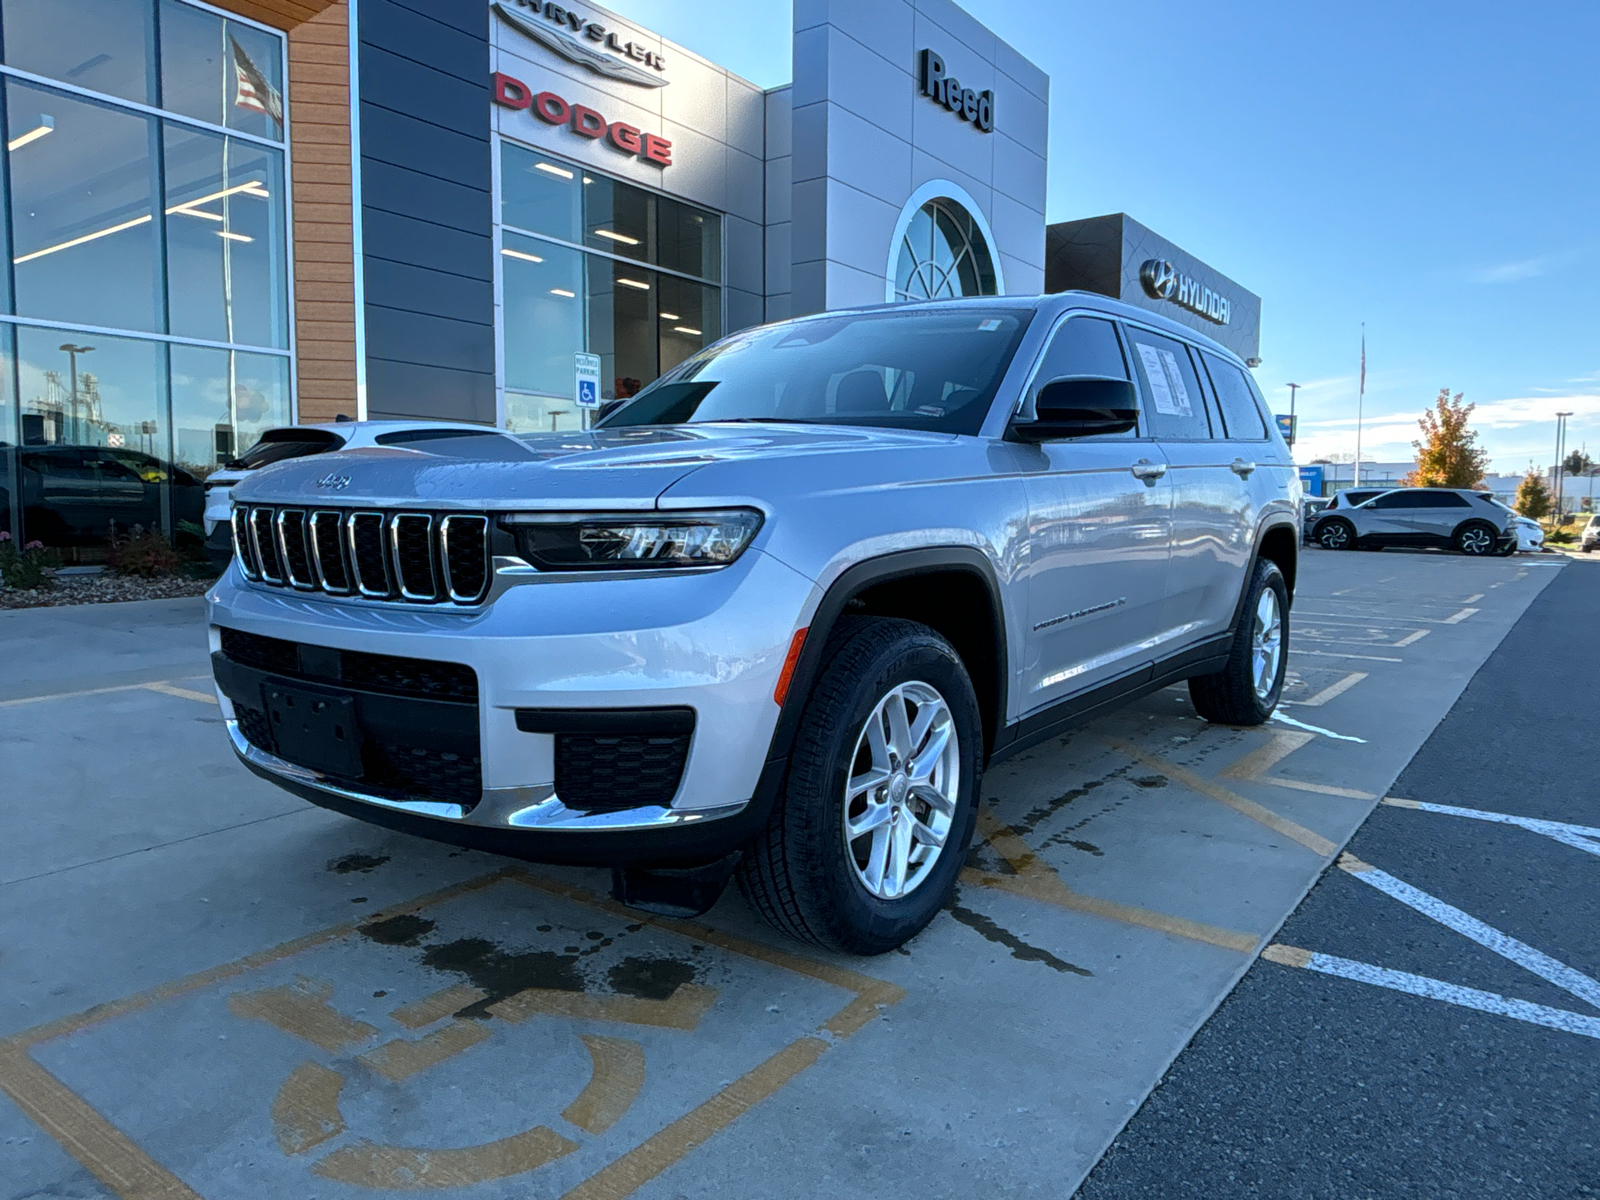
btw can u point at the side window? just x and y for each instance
(1446, 500)
(1173, 402)
(1407, 499)
(1240, 413)
(1084, 346)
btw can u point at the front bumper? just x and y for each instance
(713, 641)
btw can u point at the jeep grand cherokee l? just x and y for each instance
(779, 610)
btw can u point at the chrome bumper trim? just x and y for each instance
(532, 808)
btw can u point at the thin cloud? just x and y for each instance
(1511, 272)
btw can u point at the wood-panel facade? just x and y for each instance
(324, 266)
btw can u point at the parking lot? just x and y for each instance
(209, 988)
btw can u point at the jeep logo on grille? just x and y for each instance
(337, 482)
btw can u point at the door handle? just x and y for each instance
(1148, 471)
(1242, 468)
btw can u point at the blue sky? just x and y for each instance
(1430, 169)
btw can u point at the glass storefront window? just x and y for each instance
(225, 239)
(605, 299)
(94, 440)
(545, 296)
(10, 502)
(208, 428)
(541, 193)
(690, 240)
(221, 71)
(106, 46)
(82, 214)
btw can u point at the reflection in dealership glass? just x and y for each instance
(908, 370)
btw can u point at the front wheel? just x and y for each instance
(1247, 690)
(864, 846)
(1336, 534)
(1477, 538)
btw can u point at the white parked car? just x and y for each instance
(1590, 535)
(1530, 534)
(299, 441)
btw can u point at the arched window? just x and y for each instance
(943, 253)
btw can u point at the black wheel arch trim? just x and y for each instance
(899, 564)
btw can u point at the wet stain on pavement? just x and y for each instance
(1150, 781)
(1086, 847)
(404, 930)
(1020, 949)
(357, 862)
(500, 973)
(649, 978)
(1050, 807)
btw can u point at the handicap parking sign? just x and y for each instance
(587, 369)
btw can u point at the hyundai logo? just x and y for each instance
(337, 482)
(1163, 281)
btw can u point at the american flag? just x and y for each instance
(251, 89)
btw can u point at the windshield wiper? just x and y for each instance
(754, 420)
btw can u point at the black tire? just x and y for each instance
(1229, 697)
(797, 873)
(1336, 533)
(1477, 538)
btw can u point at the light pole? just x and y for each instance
(72, 353)
(1293, 388)
(1561, 438)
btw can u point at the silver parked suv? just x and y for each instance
(1446, 518)
(779, 611)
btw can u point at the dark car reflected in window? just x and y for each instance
(80, 496)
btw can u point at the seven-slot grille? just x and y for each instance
(414, 557)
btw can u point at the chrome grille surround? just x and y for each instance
(473, 568)
(293, 554)
(402, 557)
(242, 547)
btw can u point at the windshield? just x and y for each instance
(915, 368)
(278, 444)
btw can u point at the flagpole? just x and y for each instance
(1361, 396)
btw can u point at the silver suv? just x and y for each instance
(779, 611)
(1447, 518)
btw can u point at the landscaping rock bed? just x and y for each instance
(102, 589)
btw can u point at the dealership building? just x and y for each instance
(220, 218)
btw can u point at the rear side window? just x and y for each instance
(278, 444)
(1445, 500)
(1240, 413)
(1173, 402)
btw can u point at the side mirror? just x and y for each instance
(1078, 406)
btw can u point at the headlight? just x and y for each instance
(633, 541)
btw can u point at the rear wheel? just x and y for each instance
(1247, 690)
(1336, 534)
(864, 846)
(1476, 538)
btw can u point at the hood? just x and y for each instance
(605, 468)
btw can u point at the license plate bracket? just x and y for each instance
(314, 728)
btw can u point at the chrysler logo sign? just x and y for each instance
(588, 43)
(1162, 281)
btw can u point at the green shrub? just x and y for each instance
(27, 568)
(143, 552)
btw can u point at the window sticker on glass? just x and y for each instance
(988, 326)
(1166, 382)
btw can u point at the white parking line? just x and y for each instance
(1332, 690)
(1459, 617)
(1434, 989)
(1581, 837)
(1503, 944)
(1293, 650)
(1338, 737)
(1412, 637)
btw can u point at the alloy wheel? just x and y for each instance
(902, 792)
(1476, 541)
(1266, 644)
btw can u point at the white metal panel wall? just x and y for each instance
(865, 139)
